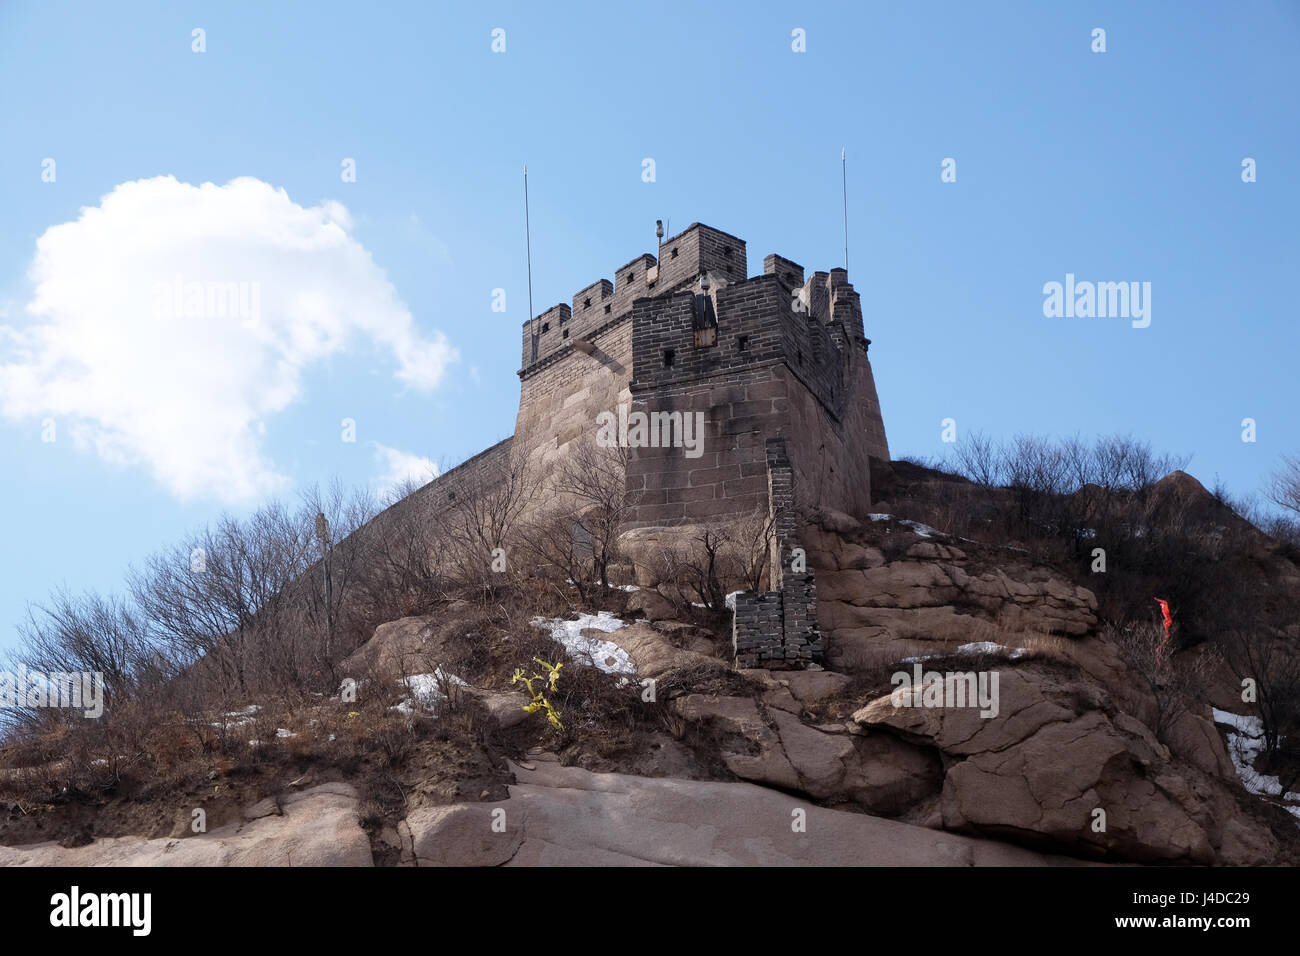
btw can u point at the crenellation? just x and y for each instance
(588, 303)
(818, 298)
(697, 250)
(787, 270)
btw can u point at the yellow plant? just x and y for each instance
(539, 700)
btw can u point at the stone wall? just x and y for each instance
(561, 396)
(441, 493)
(778, 630)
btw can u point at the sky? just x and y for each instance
(355, 171)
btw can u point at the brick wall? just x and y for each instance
(561, 396)
(778, 629)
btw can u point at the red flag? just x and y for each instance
(1169, 620)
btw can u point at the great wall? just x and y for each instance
(777, 365)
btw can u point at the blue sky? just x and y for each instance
(1115, 166)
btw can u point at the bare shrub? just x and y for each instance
(1175, 682)
(1284, 487)
(595, 480)
(477, 529)
(1257, 652)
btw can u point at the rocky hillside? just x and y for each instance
(663, 753)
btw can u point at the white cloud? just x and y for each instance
(167, 324)
(399, 467)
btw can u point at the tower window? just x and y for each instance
(674, 255)
(669, 356)
(742, 343)
(607, 310)
(546, 326)
(726, 251)
(630, 277)
(586, 303)
(566, 334)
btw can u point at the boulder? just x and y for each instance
(397, 649)
(1057, 752)
(653, 605)
(771, 746)
(506, 706)
(316, 827)
(565, 816)
(653, 653)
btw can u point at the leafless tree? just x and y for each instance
(549, 539)
(594, 479)
(980, 458)
(712, 560)
(1284, 488)
(1257, 652)
(477, 527)
(1176, 683)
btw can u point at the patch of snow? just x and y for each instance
(426, 689)
(978, 647)
(237, 717)
(603, 655)
(350, 684)
(283, 734)
(921, 530)
(731, 601)
(991, 647)
(1245, 745)
(612, 587)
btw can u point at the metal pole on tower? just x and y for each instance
(844, 190)
(528, 239)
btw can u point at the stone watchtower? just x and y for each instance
(777, 365)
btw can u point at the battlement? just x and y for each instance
(683, 258)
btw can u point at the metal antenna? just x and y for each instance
(528, 239)
(844, 189)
